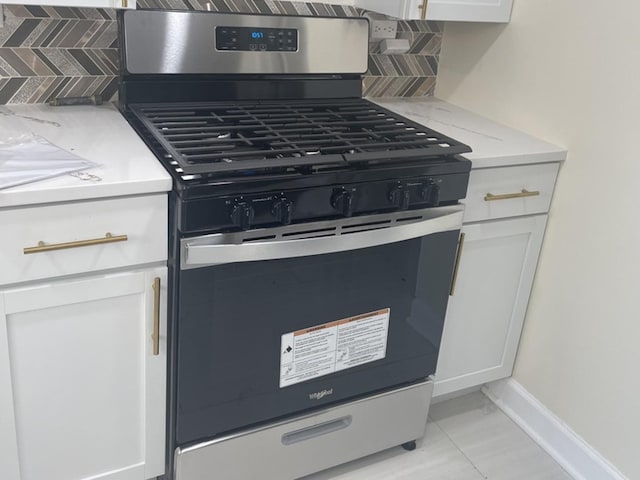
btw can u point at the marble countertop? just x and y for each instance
(127, 167)
(96, 133)
(493, 145)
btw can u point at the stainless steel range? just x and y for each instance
(313, 240)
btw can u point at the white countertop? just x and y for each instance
(493, 145)
(127, 167)
(97, 133)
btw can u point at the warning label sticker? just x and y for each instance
(334, 346)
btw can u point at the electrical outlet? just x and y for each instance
(381, 29)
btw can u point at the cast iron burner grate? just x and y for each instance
(205, 139)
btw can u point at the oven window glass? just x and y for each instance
(232, 318)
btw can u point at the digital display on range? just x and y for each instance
(247, 39)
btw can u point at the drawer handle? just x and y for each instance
(489, 197)
(423, 9)
(43, 247)
(156, 316)
(316, 430)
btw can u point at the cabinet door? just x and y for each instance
(78, 3)
(82, 394)
(486, 312)
(452, 10)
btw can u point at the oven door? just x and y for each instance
(277, 321)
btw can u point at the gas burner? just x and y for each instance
(219, 138)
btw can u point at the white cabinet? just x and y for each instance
(328, 2)
(504, 223)
(78, 3)
(485, 314)
(452, 10)
(82, 386)
(82, 340)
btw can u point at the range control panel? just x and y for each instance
(247, 39)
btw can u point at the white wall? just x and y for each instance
(569, 72)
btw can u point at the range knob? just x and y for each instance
(283, 210)
(400, 196)
(342, 200)
(430, 193)
(242, 214)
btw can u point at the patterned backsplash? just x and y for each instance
(48, 52)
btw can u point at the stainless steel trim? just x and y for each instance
(308, 433)
(378, 422)
(318, 238)
(181, 451)
(169, 42)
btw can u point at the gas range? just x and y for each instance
(313, 236)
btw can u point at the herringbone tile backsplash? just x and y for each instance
(48, 52)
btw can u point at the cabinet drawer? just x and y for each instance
(51, 241)
(510, 191)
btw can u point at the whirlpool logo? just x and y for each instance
(321, 394)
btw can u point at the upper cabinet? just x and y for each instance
(498, 11)
(77, 3)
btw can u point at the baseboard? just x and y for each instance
(448, 396)
(575, 455)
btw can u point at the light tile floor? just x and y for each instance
(468, 438)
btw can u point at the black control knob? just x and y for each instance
(242, 215)
(400, 196)
(283, 210)
(342, 200)
(430, 193)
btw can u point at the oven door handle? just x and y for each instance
(196, 254)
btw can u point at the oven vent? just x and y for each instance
(269, 243)
(368, 224)
(261, 238)
(330, 228)
(310, 233)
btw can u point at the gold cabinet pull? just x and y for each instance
(456, 266)
(490, 197)
(423, 9)
(155, 336)
(43, 247)
(125, 3)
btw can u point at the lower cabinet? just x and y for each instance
(485, 315)
(82, 378)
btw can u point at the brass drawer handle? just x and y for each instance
(456, 266)
(155, 336)
(43, 247)
(423, 9)
(489, 197)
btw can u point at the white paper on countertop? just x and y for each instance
(29, 158)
